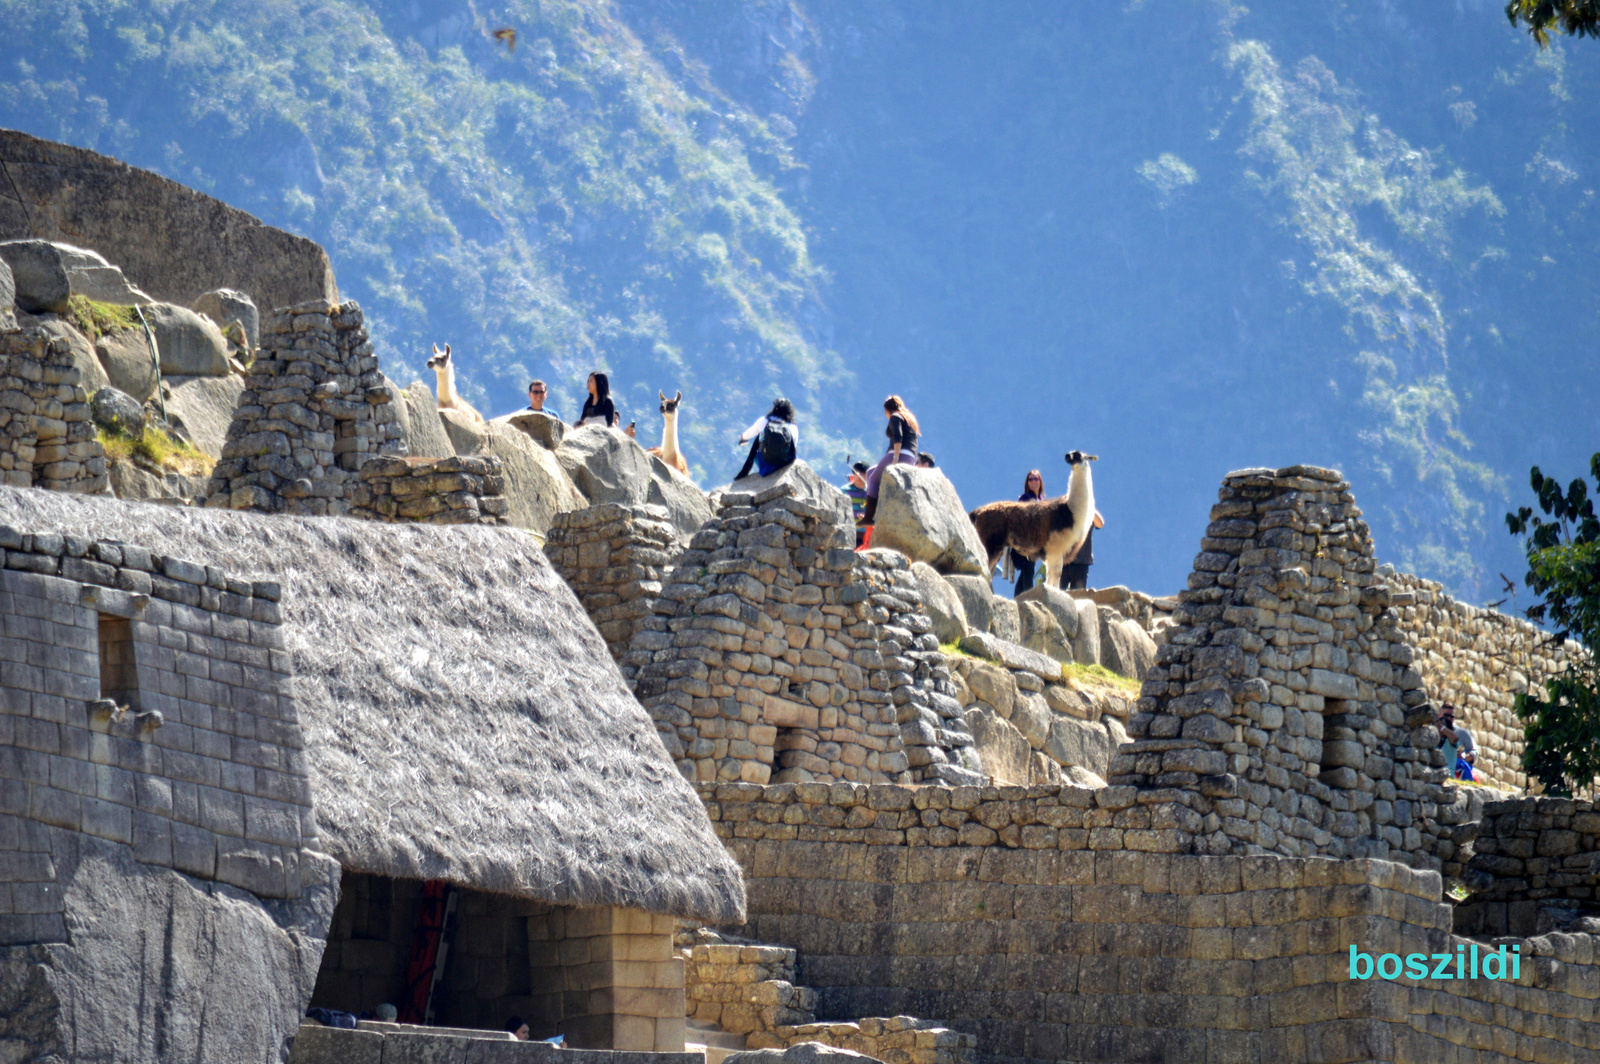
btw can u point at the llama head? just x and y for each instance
(440, 360)
(1077, 458)
(669, 406)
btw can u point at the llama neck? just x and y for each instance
(447, 384)
(669, 433)
(1080, 494)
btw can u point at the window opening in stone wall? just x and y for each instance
(119, 680)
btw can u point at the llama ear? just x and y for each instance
(436, 349)
(446, 350)
(679, 397)
(662, 394)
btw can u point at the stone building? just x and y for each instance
(263, 742)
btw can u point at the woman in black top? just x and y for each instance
(599, 404)
(903, 432)
(1032, 491)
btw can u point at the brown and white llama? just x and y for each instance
(445, 370)
(1051, 528)
(668, 452)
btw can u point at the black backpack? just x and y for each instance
(777, 444)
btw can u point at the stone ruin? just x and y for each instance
(315, 408)
(47, 439)
(434, 491)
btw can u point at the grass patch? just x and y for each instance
(1101, 675)
(156, 450)
(954, 650)
(94, 319)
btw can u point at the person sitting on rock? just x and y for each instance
(777, 441)
(536, 394)
(903, 432)
(925, 461)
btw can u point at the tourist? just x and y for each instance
(856, 491)
(536, 396)
(599, 407)
(1032, 491)
(903, 432)
(1460, 750)
(519, 1029)
(925, 461)
(777, 441)
(1075, 570)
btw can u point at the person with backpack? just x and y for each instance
(903, 432)
(777, 441)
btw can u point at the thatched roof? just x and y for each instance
(463, 719)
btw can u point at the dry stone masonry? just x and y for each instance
(1285, 694)
(613, 557)
(315, 408)
(1543, 856)
(434, 491)
(47, 438)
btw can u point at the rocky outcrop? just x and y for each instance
(124, 356)
(38, 274)
(225, 306)
(921, 516)
(420, 425)
(941, 603)
(606, 466)
(60, 193)
(190, 345)
(203, 408)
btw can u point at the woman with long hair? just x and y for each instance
(903, 432)
(1032, 491)
(599, 406)
(782, 443)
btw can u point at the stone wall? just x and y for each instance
(1543, 856)
(613, 556)
(1478, 660)
(776, 652)
(1049, 954)
(1284, 693)
(171, 241)
(744, 988)
(148, 703)
(315, 408)
(47, 438)
(434, 491)
(893, 1040)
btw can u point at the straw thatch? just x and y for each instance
(463, 719)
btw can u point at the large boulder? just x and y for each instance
(1125, 648)
(537, 488)
(117, 412)
(1007, 756)
(804, 483)
(1079, 742)
(545, 429)
(467, 434)
(921, 516)
(39, 274)
(1086, 644)
(1005, 622)
(224, 306)
(91, 276)
(1032, 718)
(1062, 605)
(607, 466)
(1042, 632)
(941, 603)
(977, 600)
(420, 424)
(1012, 655)
(190, 345)
(203, 407)
(125, 357)
(90, 373)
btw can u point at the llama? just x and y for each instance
(1054, 528)
(449, 398)
(668, 451)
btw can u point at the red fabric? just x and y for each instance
(424, 951)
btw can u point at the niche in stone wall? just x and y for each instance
(119, 679)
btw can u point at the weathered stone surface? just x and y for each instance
(420, 424)
(1125, 648)
(805, 484)
(91, 276)
(686, 504)
(1032, 719)
(977, 601)
(804, 1053)
(1042, 632)
(1004, 623)
(1059, 603)
(91, 373)
(125, 358)
(8, 297)
(131, 481)
(921, 516)
(546, 431)
(117, 411)
(606, 466)
(466, 433)
(1086, 644)
(993, 685)
(190, 345)
(536, 485)
(224, 306)
(1006, 754)
(162, 967)
(941, 603)
(204, 406)
(58, 192)
(38, 273)
(1011, 655)
(1079, 742)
